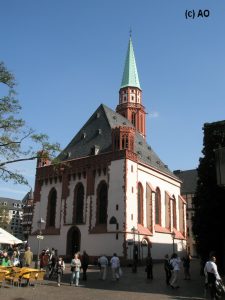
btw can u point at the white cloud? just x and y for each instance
(154, 114)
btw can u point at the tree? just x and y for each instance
(15, 134)
(4, 217)
(209, 201)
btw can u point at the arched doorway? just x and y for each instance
(73, 241)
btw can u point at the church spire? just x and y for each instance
(130, 94)
(130, 73)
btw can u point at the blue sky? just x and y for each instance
(68, 58)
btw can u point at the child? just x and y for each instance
(60, 267)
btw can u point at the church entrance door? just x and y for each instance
(73, 241)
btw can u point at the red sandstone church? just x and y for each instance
(110, 192)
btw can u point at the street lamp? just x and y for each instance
(173, 237)
(40, 237)
(135, 251)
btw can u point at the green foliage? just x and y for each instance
(4, 217)
(15, 134)
(209, 201)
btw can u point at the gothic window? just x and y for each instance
(149, 207)
(158, 207)
(140, 203)
(174, 213)
(133, 118)
(181, 215)
(51, 210)
(167, 211)
(102, 203)
(78, 204)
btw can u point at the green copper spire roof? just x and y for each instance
(130, 74)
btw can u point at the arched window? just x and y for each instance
(167, 211)
(140, 203)
(78, 204)
(102, 203)
(158, 207)
(149, 207)
(133, 118)
(174, 213)
(51, 209)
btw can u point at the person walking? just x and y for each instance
(186, 265)
(28, 257)
(75, 269)
(167, 269)
(84, 264)
(103, 265)
(175, 263)
(211, 275)
(115, 265)
(60, 267)
(149, 266)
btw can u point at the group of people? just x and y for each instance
(13, 256)
(172, 268)
(114, 262)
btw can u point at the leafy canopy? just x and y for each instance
(15, 135)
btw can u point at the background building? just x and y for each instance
(14, 210)
(188, 188)
(27, 203)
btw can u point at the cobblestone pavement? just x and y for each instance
(131, 286)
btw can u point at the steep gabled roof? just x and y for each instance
(189, 180)
(96, 135)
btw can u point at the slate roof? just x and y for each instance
(97, 132)
(10, 203)
(189, 180)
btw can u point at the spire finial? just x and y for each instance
(130, 32)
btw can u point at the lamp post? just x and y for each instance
(39, 237)
(173, 237)
(135, 251)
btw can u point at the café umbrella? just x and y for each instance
(8, 238)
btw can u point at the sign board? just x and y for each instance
(40, 237)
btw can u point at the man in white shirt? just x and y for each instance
(115, 265)
(175, 262)
(103, 264)
(211, 274)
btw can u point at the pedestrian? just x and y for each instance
(6, 262)
(115, 265)
(211, 275)
(41, 257)
(186, 265)
(103, 265)
(28, 257)
(149, 266)
(53, 259)
(75, 269)
(167, 269)
(84, 264)
(60, 267)
(175, 263)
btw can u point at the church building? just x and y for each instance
(110, 192)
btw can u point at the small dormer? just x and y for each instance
(43, 159)
(123, 138)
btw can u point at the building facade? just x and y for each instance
(13, 211)
(110, 192)
(27, 203)
(188, 189)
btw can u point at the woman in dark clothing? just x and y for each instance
(149, 266)
(84, 264)
(167, 269)
(186, 265)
